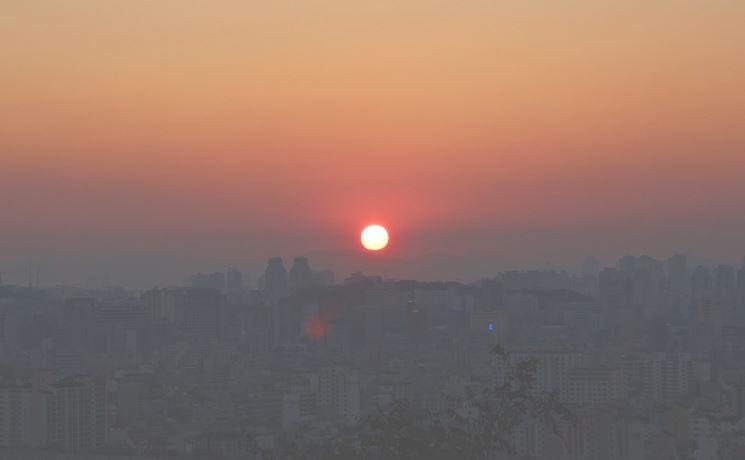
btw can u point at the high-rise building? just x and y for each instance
(662, 376)
(233, 280)
(118, 324)
(275, 279)
(209, 280)
(588, 385)
(679, 273)
(22, 416)
(301, 276)
(339, 392)
(702, 285)
(552, 367)
(323, 277)
(201, 314)
(11, 319)
(725, 288)
(417, 323)
(298, 407)
(740, 301)
(646, 275)
(164, 306)
(77, 414)
(78, 318)
(614, 289)
(161, 303)
(590, 267)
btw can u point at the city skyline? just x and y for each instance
(372, 230)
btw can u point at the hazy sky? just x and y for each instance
(150, 139)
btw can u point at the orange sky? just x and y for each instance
(234, 130)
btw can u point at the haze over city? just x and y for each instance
(382, 230)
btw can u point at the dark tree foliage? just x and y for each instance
(401, 433)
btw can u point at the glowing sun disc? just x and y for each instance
(374, 237)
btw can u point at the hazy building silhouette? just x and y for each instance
(614, 288)
(234, 280)
(702, 285)
(22, 416)
(591, 385)
(301, 275)
(740, 301)
(359, 278)
(275, 279)
(662, 376)
(417, 323)
(77, 318)
(679, 273)
(590, 266)
(119, 325)
(339, 393)
(323, 277)
(209, 280)
(646, 275)
(725, 288)
(201, 314)
(77, 414)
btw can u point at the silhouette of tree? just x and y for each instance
(401, 433)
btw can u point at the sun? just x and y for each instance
(374, 237)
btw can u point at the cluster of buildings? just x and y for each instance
(648, 356)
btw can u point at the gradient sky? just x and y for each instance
(152, 139)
